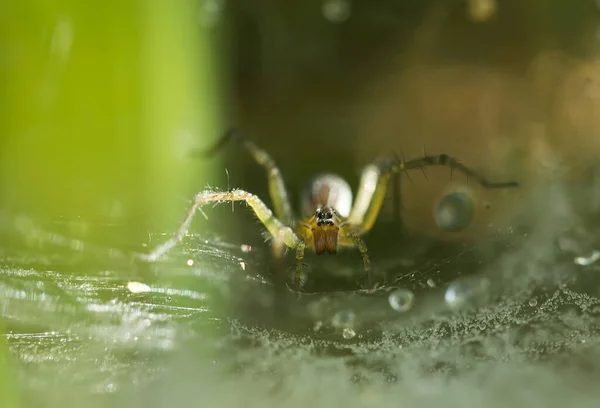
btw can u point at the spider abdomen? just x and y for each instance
(327, 190)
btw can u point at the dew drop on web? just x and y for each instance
(467, 292)
(344, 320)
(348, 333)
(401, 300)
(455, 211)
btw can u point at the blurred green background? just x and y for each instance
(99, 104)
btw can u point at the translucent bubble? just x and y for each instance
(344, 319)
(138, 287)
(401, 300)
(533, 302)
(586, 261)
(336, 11)
(348, 333)
(467, 292)
(455, 211)
(318, 325)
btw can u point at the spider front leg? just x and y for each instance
(277, 189)
(283, 236)
(375, 178)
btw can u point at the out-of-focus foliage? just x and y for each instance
(8, 385)
(100, 103)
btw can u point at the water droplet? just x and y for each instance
(585, 261)
(467, 292)
(455, 211)
(533, 302)
(318, 325)
(336, 11)
(348, 333)
(190, 262)
(401, 300)
(430, 283)
(138, 287)
(344, 319)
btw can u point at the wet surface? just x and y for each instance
(464, 320)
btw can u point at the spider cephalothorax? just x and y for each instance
(325, 227)
(330, 218)
(324, 216)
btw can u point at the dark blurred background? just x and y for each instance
(508, 88)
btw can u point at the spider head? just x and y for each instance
(325, 228)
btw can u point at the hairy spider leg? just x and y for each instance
(349, 239)
(375, 177)
(277, 189)
(282, 234)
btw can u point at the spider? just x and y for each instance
(330, 221)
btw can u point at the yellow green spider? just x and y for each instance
(330, 221)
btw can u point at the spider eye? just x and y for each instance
(328, 215)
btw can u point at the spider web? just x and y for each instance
(70, 307)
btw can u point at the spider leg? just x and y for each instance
(349, 238)
(299, 258)
(282, 234)
(374, 181)
(279, 246)
(277, 189)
